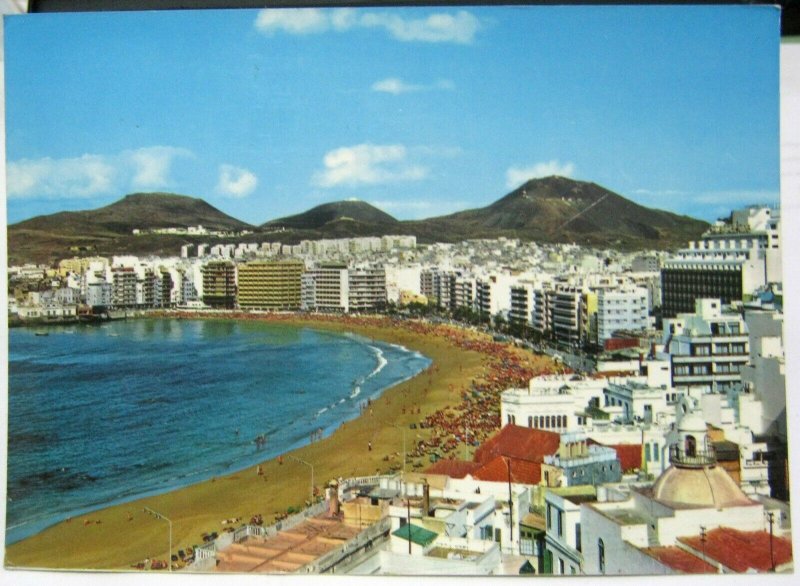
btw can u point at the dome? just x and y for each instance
(708, 486)
(692, 423)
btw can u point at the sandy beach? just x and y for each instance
(119, 537)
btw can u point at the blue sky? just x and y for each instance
(420, 111)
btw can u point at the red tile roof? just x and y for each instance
(742, 550)
(522, 471)
(519, 442)
(629, 455)
(453, 468)
(680, 560)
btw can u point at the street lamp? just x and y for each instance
(296, 459)
(158, 515)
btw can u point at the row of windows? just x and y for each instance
(651, 454)
(547, 421)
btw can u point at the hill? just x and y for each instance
(137, 210)
(109, 230)
(551, 209)
(557, 209)
(335, 217)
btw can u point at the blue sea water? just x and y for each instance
(104, 414)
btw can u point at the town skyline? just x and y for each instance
(432, 117)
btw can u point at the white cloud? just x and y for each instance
(393, 85)
(516, 176)
(299, 21)
(83, 176)
(396, 86)
(436, 28)
(92, 175)
(367, 164)
(236, 181)
(441, 27)
(152, 165)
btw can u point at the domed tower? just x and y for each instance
(693, 448)
(694, 479)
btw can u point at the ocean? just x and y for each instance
(105, 414)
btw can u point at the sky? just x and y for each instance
(418, 111)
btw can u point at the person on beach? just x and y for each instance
(369, 446)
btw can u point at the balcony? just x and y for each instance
(695, 459)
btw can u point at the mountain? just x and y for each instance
(558, 209)
(334, 216)
(137, 210)
(109, 230)
(551, 209)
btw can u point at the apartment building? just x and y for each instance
(621, 309)
(366, 289)
(269, 285)
(730, 262)
(219, 284)
(707, 349)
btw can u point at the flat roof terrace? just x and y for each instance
(289, 550)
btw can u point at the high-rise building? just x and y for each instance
(707, 349)
(730, 262)
(219, 284)
(270, 285)
(620, 309)
(123, 283)
(367, 289)
(327, 288)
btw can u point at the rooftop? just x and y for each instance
(519, 442)
(742, 550)
(287, 551)
(680, 560)
(416, 534)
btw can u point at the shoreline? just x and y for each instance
(39, 525)
(118, 536)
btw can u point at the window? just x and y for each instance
(561, 523)
(549, 516)
(655, 452)
(601, 556)
(578, 537)
(497, 535)
(530, 421)
(647, 452)
(561, 566)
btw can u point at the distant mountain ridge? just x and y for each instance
(558, 209)
(550, 209)
(138, 210)
(318, 217)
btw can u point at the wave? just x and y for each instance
(382, 362)
(321, 411)
(356, 392)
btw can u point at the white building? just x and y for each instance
(730, 262)
(762, 406)
(658, 530)
(563, 537)
(551, 402)
(622, 308)
(707, 348)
